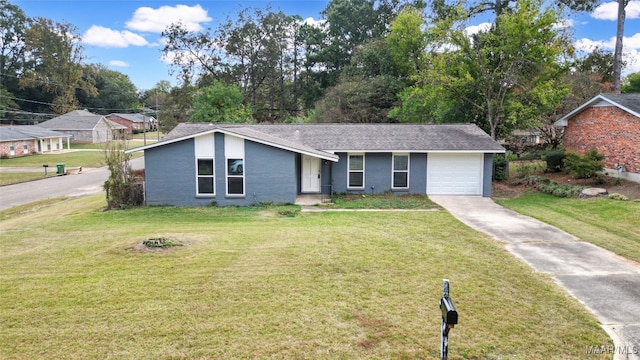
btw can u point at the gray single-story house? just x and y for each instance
(20, 140)
(243, 164)
(86, 127)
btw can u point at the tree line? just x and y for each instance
(366, 61)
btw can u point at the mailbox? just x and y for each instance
(449, 313)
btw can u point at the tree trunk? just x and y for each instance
(617, 56)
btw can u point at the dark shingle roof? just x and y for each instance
(328, 138)
(27, 132)
(626, 102)
(78, 120)
(629, 101)
(138, 118)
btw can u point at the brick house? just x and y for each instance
(609, 123)
(21, 140)
(134, 121)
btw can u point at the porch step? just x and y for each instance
(313, 199)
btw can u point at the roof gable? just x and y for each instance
(321, 140)
(74, 120)
(626, 102)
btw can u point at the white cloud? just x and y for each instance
(609, 10)
(118, 63)
(630, 54)
(105, 37)
(157, 20)
(474, 29)
(313, 22)
(563, 24)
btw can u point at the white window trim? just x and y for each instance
(393, 170)
(227, 176)
(349, 171)
(198, 194)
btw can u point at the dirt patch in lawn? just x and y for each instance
(513, 187)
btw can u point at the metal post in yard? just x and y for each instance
(449, 319)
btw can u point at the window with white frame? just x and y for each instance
(12, 149)
(400, 171)
(356, 171)
(234, 154)
(205, 165)
(206, 177)
(25, 147)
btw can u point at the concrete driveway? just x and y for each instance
(605, 283)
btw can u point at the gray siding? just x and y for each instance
(170, 175)
(487, 174)
(269, 175)
(378, 174)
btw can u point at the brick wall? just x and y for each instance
(5, 148)
(613, 132)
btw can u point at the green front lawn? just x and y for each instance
(611, 224)
(91, 158)
(75, 283)
(20, 177)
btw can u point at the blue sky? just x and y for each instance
(124, 35)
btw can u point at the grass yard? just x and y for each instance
(611, 224)
(250, 283)
(19, 177)
(92, 158)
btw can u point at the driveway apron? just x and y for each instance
(604, 282)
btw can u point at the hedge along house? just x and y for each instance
(609, 123)
(233, 164)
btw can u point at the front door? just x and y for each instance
(310, 174)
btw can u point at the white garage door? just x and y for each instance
(454, 174)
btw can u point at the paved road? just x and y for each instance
(605, 283)
(89, 182)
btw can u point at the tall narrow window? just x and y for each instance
(234, 154)
(356, 171)
(206, 177)
(235, 176)
(25, 147)
(400, 171)
(204, 146)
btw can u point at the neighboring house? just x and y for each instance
(241, 164)
(86, 127)
(20, 140)
(134, 121)
(609, 123)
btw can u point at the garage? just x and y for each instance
(454, 174)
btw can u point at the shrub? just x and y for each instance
(616, 196)
(527, 169)
(554, 160)
(584, 167)
(558, 190)
(500, 167)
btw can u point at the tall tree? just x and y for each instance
(631, 83)
(56, 67)
(13, 26)
(617, 56)
(508, 76)
(220, 103)
(115, 91)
